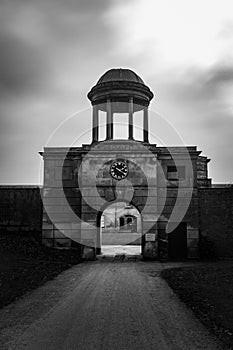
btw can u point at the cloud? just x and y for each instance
(202, 85)
(53, 52)
(220, 75)
(50, 53)
(171, 33)
(198, 102)
(203, 97)
(41, 40)
(22, 68)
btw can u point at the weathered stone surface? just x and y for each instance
(21, 209)
(150, 250)
(93, 182)
(88, 252)
(216, 220)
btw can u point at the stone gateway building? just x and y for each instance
(163, 184)
(123, 190)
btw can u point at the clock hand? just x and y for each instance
(121, 171)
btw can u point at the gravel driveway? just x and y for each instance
(103, 305)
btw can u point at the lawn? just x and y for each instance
(25, 264)
(208, 290)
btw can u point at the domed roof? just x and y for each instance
(119, 74)
(119, 85)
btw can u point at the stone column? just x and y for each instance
(130, 125)
(112, 122)
(145, 125)
(109, 124)
(95, 124)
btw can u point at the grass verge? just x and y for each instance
(208, 290)
(25, 264)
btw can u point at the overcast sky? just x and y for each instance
(53, 52)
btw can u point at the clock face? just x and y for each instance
(119, 170)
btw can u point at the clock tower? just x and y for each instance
(123, 187)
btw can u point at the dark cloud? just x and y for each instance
(198, 102)
(55, 6)
(84, 6)
(50, 53)
(40, 38)
(219, 75)
(200, 86)
(60, 19)
(22, 68)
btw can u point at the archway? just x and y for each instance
(120, 229)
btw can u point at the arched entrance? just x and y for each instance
(120, 229)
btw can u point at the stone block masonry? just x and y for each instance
(216, 219)
(20, 210)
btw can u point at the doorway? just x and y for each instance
(120, 230)
(177, 242)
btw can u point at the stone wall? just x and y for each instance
(216, 220)
(70, 217)
(21, 213)
(61, 198)
(178, 197)
(78, 187)
(20, 210)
